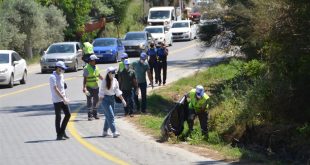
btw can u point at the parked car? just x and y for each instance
(68, 52)
(137, 42)
(161, 34)
(183, 30)
(108, 49)
(13, 68)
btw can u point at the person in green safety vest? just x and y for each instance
(91, 86)
(121, 65)
(88, 50)
(197, 106)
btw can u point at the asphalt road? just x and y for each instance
(27, 122)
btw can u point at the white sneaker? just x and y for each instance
(104, 134)
(115, 134)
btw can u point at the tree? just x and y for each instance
(28, 25)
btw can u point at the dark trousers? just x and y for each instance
(161, 65)
(203, 119)
(142, 87)
(127, 94)
(153, 69)
(60, 127)
(85, 57)
(92, 101)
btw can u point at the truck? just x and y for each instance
(161, 16)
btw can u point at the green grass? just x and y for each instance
(224, 110)
(34, 60)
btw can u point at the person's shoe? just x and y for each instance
(159, 84)
(156, 82)
(131, 115)
(115, 134)
(164, 83)
(60, 137)
(104, 134)
(90, 118)
(96, 117)
(66, 136)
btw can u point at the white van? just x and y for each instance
(161, 16)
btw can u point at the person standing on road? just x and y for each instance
(88, 50)
(162, 54)
(91, 86)
(198, 105)
(121, 64)
(109, 88)
(141, 67)
(60, 100)
(152, 60)
(127, 82)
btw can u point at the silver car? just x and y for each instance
(68, 52)
(137, 42)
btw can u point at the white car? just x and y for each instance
(13, 68)
(161, 34)
(184, 30)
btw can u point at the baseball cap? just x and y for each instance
(126, 62)
(200, 90)
(111, 69)
(61, 64)
(143, 56)
(124, 55)
(93, 57)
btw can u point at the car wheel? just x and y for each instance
(43, 71)
(11, 83)
(24, 79)
(115, 58)
(76, 66)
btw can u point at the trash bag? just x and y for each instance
(174, 120)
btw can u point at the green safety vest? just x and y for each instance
(93, 76)
(197, 104)
(121, 66)
(88, 48)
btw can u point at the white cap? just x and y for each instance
(93, 57)
(111, 69)
(61, 64)
(126, 62)
(124, 55)
(200, 90)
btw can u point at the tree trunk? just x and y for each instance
(28, 48)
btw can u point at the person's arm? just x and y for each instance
(119, 93)
(100, 77)
(84, 85)
(85, 74)
(101, 90)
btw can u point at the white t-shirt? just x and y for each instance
(57, 80)
(114, 90)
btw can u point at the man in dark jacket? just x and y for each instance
(152, 60)
(127, 81)
(162, 54)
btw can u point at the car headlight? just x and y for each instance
(42, 59)
(142, 46)
(4, 70)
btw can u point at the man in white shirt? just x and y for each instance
(60, 100)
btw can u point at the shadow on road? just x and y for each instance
(41, 141)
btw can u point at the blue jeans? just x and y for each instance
(142, 87)
(108, 103)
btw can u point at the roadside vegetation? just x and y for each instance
(259, 103)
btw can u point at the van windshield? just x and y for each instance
(164, 14)
(180, 25)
